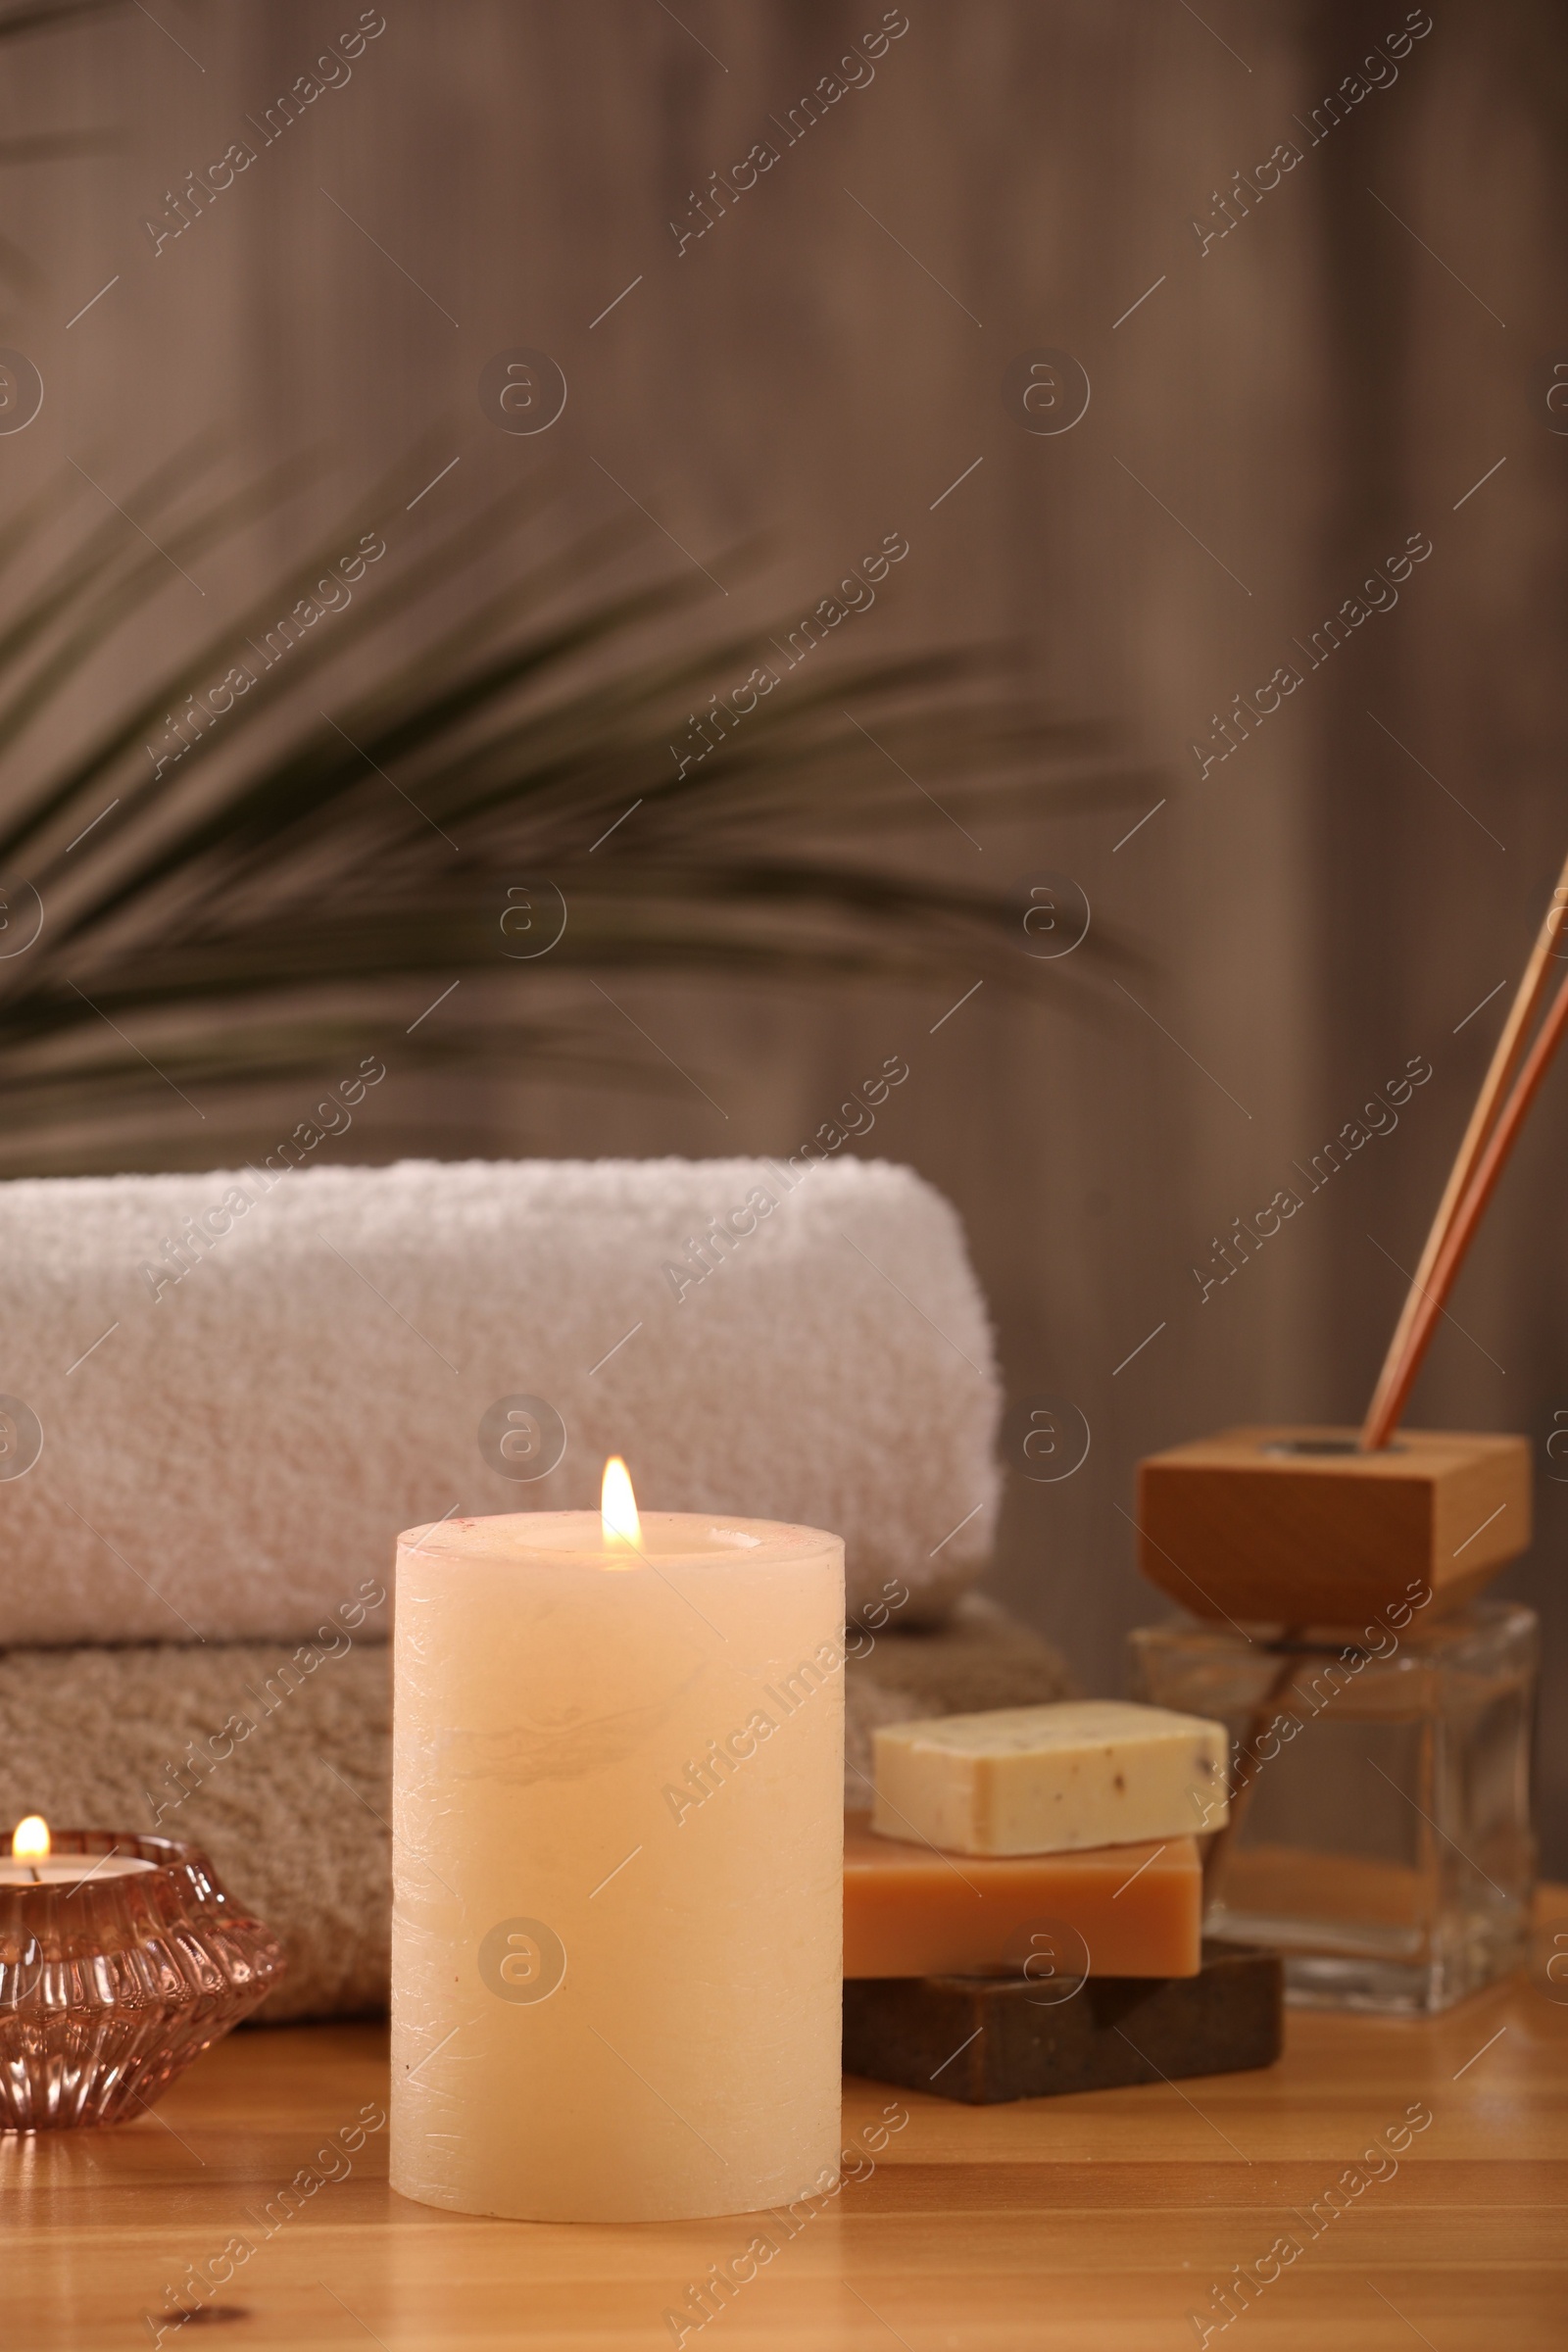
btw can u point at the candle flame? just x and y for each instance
(619, 1506)
(30, 1840)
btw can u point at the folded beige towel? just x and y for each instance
(152, 1738)
(277, 1762)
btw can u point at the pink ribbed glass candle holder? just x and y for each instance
(110, 1986)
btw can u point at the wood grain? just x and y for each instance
(1090, 2223)
(1238, 1526)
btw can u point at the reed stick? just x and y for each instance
(1248, 1764)
(1467, 1217)
(1394, 1382)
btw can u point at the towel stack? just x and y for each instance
(226, 1395)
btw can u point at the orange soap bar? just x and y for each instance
(909, 1911)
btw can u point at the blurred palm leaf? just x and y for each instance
(332, 870)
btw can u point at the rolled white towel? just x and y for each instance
(225, 1393)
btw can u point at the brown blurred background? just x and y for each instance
(1365, 356)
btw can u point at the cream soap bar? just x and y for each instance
(1050, 1780)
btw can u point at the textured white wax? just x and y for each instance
(69, 1870)
(617, 1865)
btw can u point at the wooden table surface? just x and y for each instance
(1091, 2224)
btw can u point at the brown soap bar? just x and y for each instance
(1110, 1910)
(989, 2039)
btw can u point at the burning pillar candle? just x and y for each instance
(617, 1861)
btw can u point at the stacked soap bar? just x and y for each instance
(1024, 1910)
(1050, 1780)
(985, 2040)
(1123, 1911)
(1080, 1815)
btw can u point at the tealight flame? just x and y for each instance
(30, 1840)
(619, 1506)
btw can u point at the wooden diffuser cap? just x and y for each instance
(1295, 1525)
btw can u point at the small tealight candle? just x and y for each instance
(31, 1863)
(117, 1969)
(618, 1859)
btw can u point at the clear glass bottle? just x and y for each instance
(1380, 1832)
